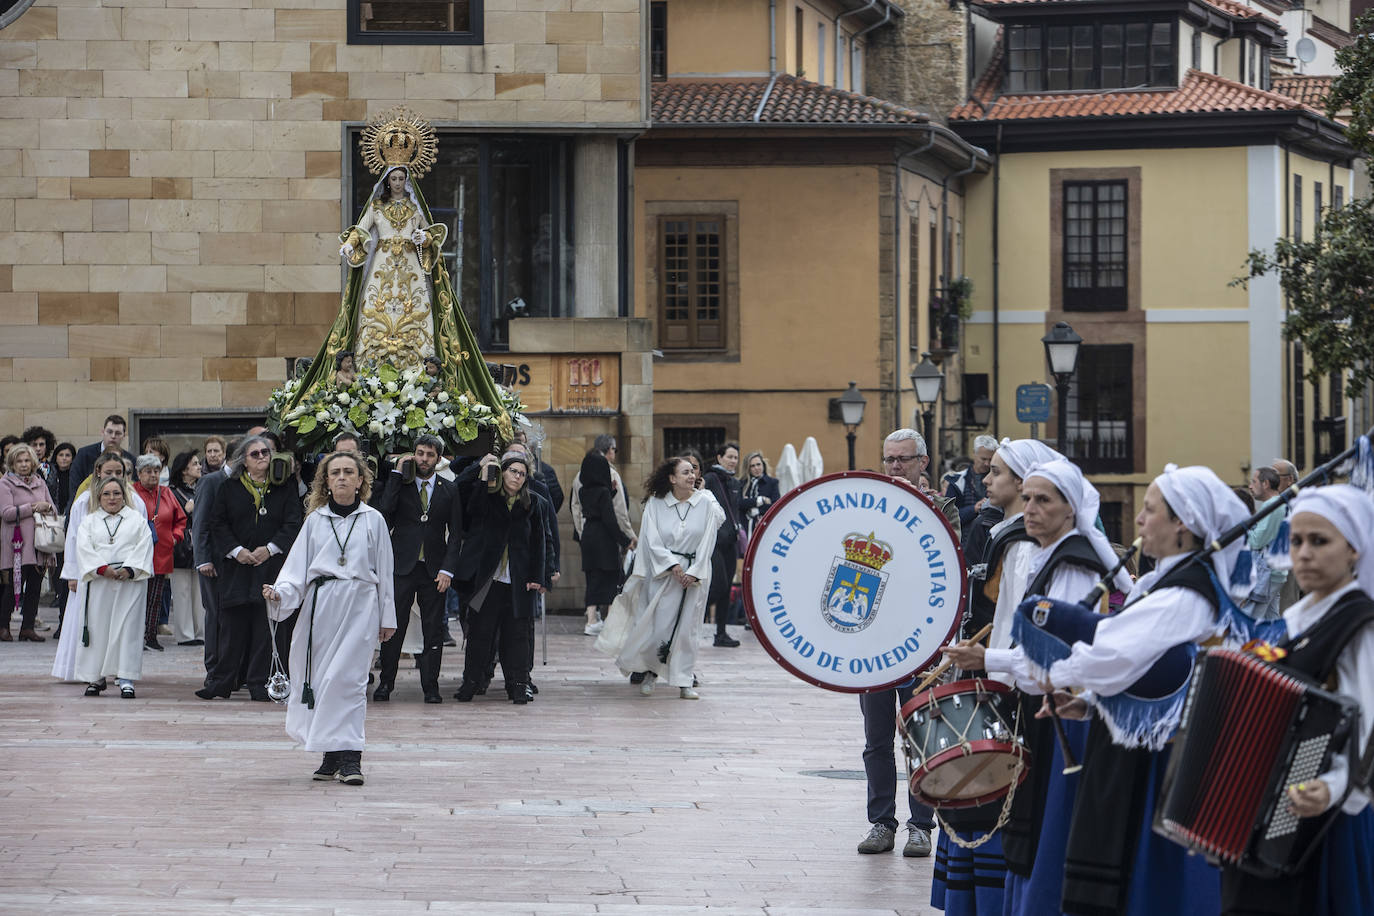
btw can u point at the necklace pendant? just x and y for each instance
(342, 561)
(424, 517)
(262, 511)
(111, 539)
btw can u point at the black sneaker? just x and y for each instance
(724, 641)
(329, 767)
(350, 771)
(153, 644)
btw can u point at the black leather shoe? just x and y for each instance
(153, 644)
(382, 694)
(725, 641)
(636, 677)
(519, 695)
(126, 692)
(94, 690)
(433, 698)
(209, 693)
(465, 693)
(259, 694)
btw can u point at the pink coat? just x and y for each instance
(17, 498)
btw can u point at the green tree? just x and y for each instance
(1329, 279)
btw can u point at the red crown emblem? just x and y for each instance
(866, 550)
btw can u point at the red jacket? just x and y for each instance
(169, 520)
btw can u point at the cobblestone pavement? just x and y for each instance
(592, 799)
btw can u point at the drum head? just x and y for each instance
(853, 581)
(953, 779)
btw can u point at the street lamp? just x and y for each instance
(1061, 352)
(927, 379)
(981, 410)
(851, 405)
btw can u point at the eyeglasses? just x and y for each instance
(900, 459)
(260, 453)
(516, 472)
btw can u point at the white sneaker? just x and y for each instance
(687, 693)
(647, 688)
(592, 629)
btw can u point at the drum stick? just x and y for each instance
(947, 663)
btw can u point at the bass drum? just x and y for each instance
(853, 581)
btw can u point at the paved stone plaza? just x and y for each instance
(592, 799)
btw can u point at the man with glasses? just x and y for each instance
(904, 458)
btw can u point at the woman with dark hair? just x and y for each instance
(60, 487)
(602, 539)
(340, 571)
(188, 611)
(501, 569)
(653, 626)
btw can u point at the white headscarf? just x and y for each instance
(1085, 502)
(1207, 507)
(1021, 455)
(1351, 510)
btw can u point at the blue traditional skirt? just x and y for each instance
(968, 882)
(1039, 894)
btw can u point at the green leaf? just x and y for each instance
(388, 373)
(415, 418)
(357, 415)
(307, 424)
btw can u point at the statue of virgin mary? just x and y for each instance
(398, 306)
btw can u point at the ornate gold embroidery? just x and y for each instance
(397, 212)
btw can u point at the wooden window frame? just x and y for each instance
(1095, 298)
(1038, 78)
(665, 421)
(654, 211)
(1106, 354)
(358, 36)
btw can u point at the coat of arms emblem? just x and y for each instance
(856, 583)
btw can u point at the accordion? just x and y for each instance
(1249, 731)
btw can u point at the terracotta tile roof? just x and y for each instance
(792, 101)
(1231, 8)
(1200, 93)
(1310, 90)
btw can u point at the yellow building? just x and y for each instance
(1127, 212)
(788, 230)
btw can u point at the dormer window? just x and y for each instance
(1120, 54)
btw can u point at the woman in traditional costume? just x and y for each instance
(1329, 638)
(114, 550)
(653, 625)
(1060, 510)
(339, 572)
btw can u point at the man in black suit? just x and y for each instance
(204, 557)
(111, 439)
(426, 522)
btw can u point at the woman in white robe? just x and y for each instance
(339, 571)
(114, 552)
(64, 663)
(664, 600)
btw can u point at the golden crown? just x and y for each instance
(866, 550)
(399, 137)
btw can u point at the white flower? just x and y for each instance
(391, 387)
(386, 411)
(374, 427)
(344, 398)
(443, 397)
(448, 422)
(463, 399)
(321, 415)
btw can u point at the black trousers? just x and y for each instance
(723, 561)
(416, 585)
(245, 645)
(209, 599)
(496, 617)
(880, 711)
(31, 580)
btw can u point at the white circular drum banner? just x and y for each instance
(853, 581)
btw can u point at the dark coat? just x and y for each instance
(726, 489)
(84, 463)
(549, 479)
(966, 489)
(602, 538)
(441, 534)
(493, 528)
(206, 489)
(235, 522)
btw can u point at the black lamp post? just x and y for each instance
(851, 405)
(1061, 352)
(982, 412)
(927, 380)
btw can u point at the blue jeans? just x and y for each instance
(880, 710)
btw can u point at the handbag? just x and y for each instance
(49, 533)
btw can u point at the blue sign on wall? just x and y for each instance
(1033, 403)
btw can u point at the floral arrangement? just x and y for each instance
(389, 407)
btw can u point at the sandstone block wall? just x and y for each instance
(171, 176)
(920, 61)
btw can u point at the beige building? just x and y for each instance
(174, 176)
